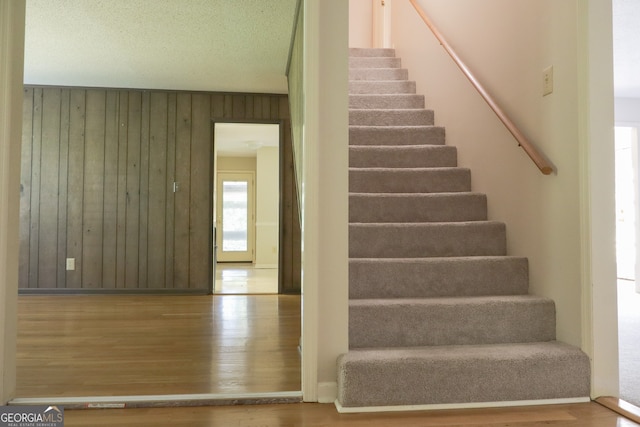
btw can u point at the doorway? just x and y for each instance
(626, 143)
(247, 204)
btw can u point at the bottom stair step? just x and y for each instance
(462, 374)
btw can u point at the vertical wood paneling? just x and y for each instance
(110, 223)
(48, 226)
(170, 195)
(248, 107)
(274, 108)
(63, 175)
(257, 107)
(101, 163)
(36, 156)
(132, 221)
(75, 192)
(182, 196)
(238, 102)
(158, 122)
(286, 246)
(266, 107)
(217, 105)
(121, 228)
(228, 107)
(94, 178)
(25, 188)
(201, 178)
(143, 248)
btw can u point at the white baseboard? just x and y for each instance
(327, 392)
(434, 407)
(265, 266)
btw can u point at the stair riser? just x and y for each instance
(427, 240)
(400, 101)
(458, 379)
(434, 180)
(450, 321)
(374, 62)
(438, 277)
(403, 157)
(415, 117)
(395, 136)
(387, 87)
(369, 52)
(378, 74)
(417, 208)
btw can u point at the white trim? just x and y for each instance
(434, 407)
(104, 401)
(327, 392)
(309, 195)
(597, 212)
(265, 266)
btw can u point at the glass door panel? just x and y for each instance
(235, 217)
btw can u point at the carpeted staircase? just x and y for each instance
(438, 313)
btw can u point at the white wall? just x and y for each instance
(267, 200)
(595, 78)
(12, 13)
(324, 201)
(627, 111)
(360, 23)
(507, 50)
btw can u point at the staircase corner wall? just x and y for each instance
(324, 196)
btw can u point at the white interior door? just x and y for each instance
(235, 217)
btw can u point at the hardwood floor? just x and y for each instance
(318, 415)
(151, 345)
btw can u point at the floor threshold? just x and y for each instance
(162, 400)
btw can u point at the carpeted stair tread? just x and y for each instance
(437, 277)
(450, 321)
(400, 101)
(378, 74)
(408, 156)
(462, 374)
(396, 135)
(391, 117)
(409, 180)
(418, 240)
(374, 62)
(417, 207)
(381, 87)
(368, 52)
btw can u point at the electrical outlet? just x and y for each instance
(547, 81)
(71, 264)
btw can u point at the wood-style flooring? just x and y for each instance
(319, 415)
(105, 345)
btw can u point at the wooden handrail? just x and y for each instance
(538, 158)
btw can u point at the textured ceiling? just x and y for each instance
(212, 45)
(208, 45)
(626, 48)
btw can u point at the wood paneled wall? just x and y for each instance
(98, 167)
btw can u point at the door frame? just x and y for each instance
(282, 262)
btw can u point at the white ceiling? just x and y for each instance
(244, 139)
(626, 48)
(205, 45)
